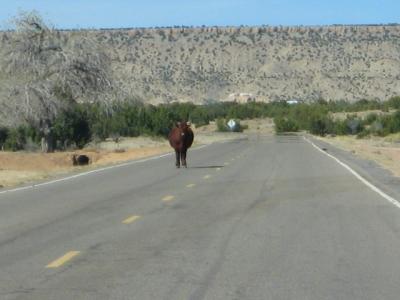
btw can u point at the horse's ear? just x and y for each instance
(188, 124)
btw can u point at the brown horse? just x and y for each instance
(181, 138)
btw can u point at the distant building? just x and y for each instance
(293, 101)
(241, 97)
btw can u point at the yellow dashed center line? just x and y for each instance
(190, 185)
(130, 219)
(207, 176)
(168, 198)
(63, 259)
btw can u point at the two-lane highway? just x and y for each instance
(265, 218)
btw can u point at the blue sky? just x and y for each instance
(152, 13)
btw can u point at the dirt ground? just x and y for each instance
(22, 167)
(17, 168)
(384, 151)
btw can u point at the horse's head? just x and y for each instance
(183, 126)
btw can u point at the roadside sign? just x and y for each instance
(231, 124)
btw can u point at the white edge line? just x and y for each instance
(91, 172)
(358, 176)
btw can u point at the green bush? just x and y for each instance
(4, 132)
(363, 134)
(221, 125)
(393, 102)
(376, 128)
(16, 139)
(391, 123)
(71, 128)
(370, 118)
(285, 125)
(340, 128)
(354, 125)
(321, 125)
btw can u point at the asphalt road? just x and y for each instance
(263, 218)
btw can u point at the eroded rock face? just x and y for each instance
(80, 160)
(271, 63)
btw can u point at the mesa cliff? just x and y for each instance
(160, 65)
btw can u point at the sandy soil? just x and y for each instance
(384, 151)
(17, 168)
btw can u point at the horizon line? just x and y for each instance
(390, 24)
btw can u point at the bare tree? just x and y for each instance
(49, 70)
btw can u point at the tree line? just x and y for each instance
(317, 118)
(78, 124)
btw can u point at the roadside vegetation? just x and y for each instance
(319, 118)
(79, 124)
(58, 93)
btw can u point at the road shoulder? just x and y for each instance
(370, 170)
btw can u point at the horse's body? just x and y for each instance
(181, 138)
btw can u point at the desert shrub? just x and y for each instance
(13, 141)
(71, 127)
(17, 138)
(162, 121)
(340, 128)
(4, 132)
(391, 123)
(354, 125)
(285, 125)
(393, 102)
(364, 104)
(221, 125)
(370, 118)
(245, 111)
(363, 134)
(200, 116)
(321, 125)
(376, 128)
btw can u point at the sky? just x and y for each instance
(75, 14)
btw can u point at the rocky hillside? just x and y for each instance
(267, 63)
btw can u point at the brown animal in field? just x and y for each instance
(80, 160)
(181, 138)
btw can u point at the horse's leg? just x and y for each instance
(183, 157)
(178, 159)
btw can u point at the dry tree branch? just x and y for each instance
(41, 60)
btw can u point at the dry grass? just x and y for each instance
(261, 126)
(22, 167)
